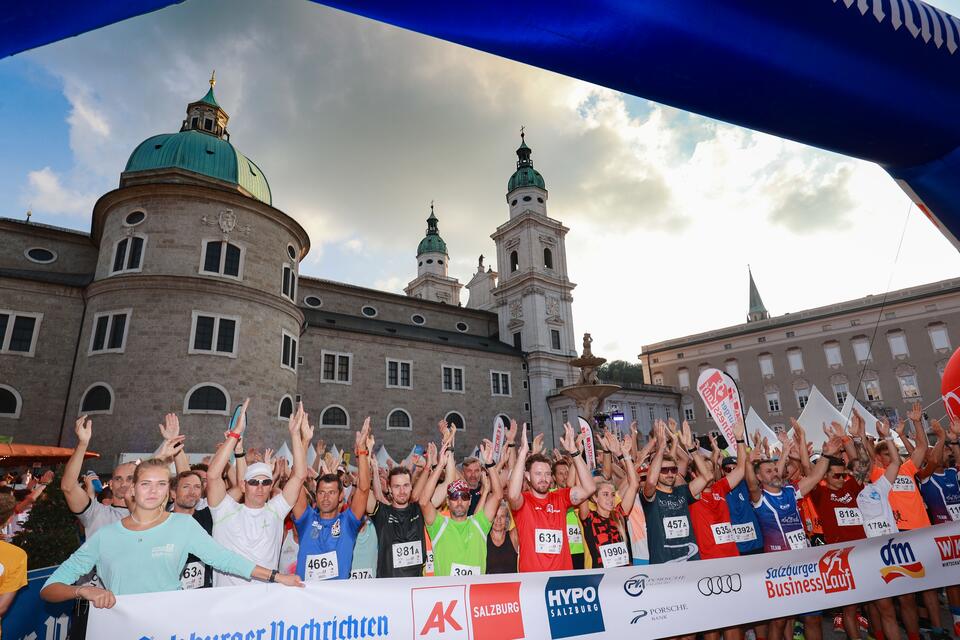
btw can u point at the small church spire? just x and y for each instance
(757, 310)
(213, 79)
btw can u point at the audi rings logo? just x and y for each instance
(716, 585)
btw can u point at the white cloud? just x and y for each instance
(45, 193)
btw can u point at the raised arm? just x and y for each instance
(300, 430)
(653, 473)
(432, 477)
(170, 430)
(735, 476)
(77, 498)
(492, 502)
(809, 482)
(515, 487)
(934, 456)
(802, 450)
(573, 445)
(919, 452)
(893, 469)
(628, 490)
(704, 470)
(362, 446)
(216, 488)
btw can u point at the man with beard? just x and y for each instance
(326, 534)
(472, 474)
(460, 541)
(541, 514)
(187, 490)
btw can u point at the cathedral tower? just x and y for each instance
(432, 282)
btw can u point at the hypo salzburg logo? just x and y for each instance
(495, 611)
(440, 612)
(573, 604)
(899, 561)
(949, 548)
(830, 574)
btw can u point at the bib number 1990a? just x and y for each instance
(614, 554)
(407, 554)
(548, 540)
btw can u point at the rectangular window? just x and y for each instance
(517, 341)
(939, 339)
(766, 364)
(564, 416)
(803, 396)
(658, 378)
(795, 359)
(908, 386)
(18, 332)
(733, 369)
(109, 332)
(452, 378)
(289, 286)
(840, 391)
(214, 334)
(288, 356)
(773, 402)
(831, 351)
(861, 349)
(791, 334)
(500, 383)
(688, 413)
(555, 339)
(683, 379)
(898, 344)
(558, 383)
(398, 373)
(652, 413)
(128, 254)
(222, 258)
(871, 390)
(337, 367)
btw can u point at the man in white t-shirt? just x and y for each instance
(254, 528)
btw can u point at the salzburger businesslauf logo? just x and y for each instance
(573, 605)
(717, 585)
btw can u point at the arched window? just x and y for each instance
(10, 402)
(334, 416)
(547, 258)
(98, 398)
(455, 418)
(506, 420)
(399, 419)
(286, 408)
(514, 261)
(207, 397)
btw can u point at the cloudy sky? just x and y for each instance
(358, 126)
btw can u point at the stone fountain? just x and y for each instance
(589, 393)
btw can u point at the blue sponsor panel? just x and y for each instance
(573, 605)
(31, 617)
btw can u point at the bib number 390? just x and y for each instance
(548, 540)
(321, 566)
(407, 554)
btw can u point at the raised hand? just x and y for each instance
(512, 431)
(739, 428)
(883, 428)
(295, 420)
(672, 425)
(938, 431)
(171, 426)
(170, 448)
(686, 437)
(858, 426)
(242, 420)
(613, 444)
(268, 458)
(432, 454)
(626, 446)
(361, 438)
(306, 430)
(538, 443)
(916, 412)
(486, 452)
(832, 447)
(524, 445)
(569, 441)
(321, 447)
(83, 427)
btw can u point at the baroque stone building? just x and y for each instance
(186, 296)
(888, 350)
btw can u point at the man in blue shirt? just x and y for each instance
(326, 534)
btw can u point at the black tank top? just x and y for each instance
(502, 559)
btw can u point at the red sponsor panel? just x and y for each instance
(495, 611)
(836, 571)
(440, 612)
(949, 548)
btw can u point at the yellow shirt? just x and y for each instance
(13, 564)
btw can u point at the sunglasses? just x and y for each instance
(253, 482)
(668, 470)
(461, 495)
(843, 474)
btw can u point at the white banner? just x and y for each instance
(755, 424)
(499, 437)
(588, 446)
(719, 392)
(650, 601)
(818, 412)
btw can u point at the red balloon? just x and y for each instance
(950, 385)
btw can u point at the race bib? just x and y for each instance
(548, 541)
(457, 569)
(954, 511)
(573, 534)
(876, 528)
(361, 574)
(321, 566)
(192, 576)
(614, 554)
(722, 533)
(407, 554)
(428, 565)
(904, 483)
(744, 532)
(796, 539)
(848, 516)
(676, 527)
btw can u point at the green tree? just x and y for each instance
(620, 372)
(49, 535)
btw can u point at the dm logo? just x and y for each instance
(573, 605)
(899, 561)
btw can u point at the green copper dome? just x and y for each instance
(432, 242)
(525, 175)
(200, 153)
(202, 146)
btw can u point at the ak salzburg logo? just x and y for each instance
(949, 548)
(831, 574)
(573, 605)
(899, 562)
(491, 611)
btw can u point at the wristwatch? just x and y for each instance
(273, 575)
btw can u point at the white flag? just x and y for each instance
(588, 443)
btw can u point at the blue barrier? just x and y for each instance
(30, 618)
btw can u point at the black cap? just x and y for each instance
(729, 461)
